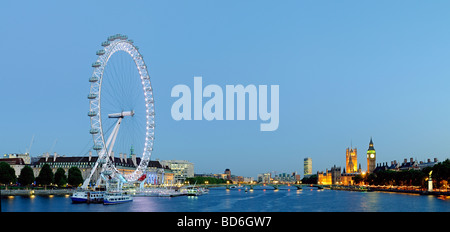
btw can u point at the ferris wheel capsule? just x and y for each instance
(93, 79)
(94, 131)
(92, 96)
(92, 113)
(100, 52)
(105, 44)
(96, 64)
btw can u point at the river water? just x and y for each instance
(238, 200)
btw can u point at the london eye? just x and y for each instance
(121, 110)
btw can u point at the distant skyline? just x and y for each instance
(346, 71)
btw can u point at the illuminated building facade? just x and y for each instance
(351, 159)
(329, 177)
(181, 169)
(347, 178)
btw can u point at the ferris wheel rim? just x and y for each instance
(111, 46)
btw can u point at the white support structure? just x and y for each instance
(108, 150)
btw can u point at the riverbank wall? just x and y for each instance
(436, 192)
(411, 191)
(37, 192)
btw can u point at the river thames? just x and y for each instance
(238, 200)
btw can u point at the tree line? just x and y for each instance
(203, 180)
(46, 176)
(441, 172)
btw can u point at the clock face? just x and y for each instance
(372, 156)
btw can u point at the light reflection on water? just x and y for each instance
(258, 200)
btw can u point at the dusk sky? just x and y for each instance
(346, 70)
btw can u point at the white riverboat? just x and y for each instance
(116, 198)
(87, 197)
(170, 193)
(195, 191)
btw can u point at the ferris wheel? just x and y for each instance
(120, 98)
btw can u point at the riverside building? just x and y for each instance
(181, 169)
(156, 173)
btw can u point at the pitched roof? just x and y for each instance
(13, 161)
(79, 159)
(68, 159)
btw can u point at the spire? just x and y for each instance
(371, 144)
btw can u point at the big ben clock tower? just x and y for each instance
(371, 157)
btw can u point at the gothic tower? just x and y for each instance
(371, 157)
(351, 160)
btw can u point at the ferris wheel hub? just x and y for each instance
(121, 115)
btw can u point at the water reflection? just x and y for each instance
(262, 199)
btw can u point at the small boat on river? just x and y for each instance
(116, 197)
(87, 197)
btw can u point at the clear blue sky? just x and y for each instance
(347, 70)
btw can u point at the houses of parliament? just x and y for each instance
(335, 176)
(351, 157)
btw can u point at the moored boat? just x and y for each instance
(170, 193)
(194, 191)
(116, 198)
(87, 197)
